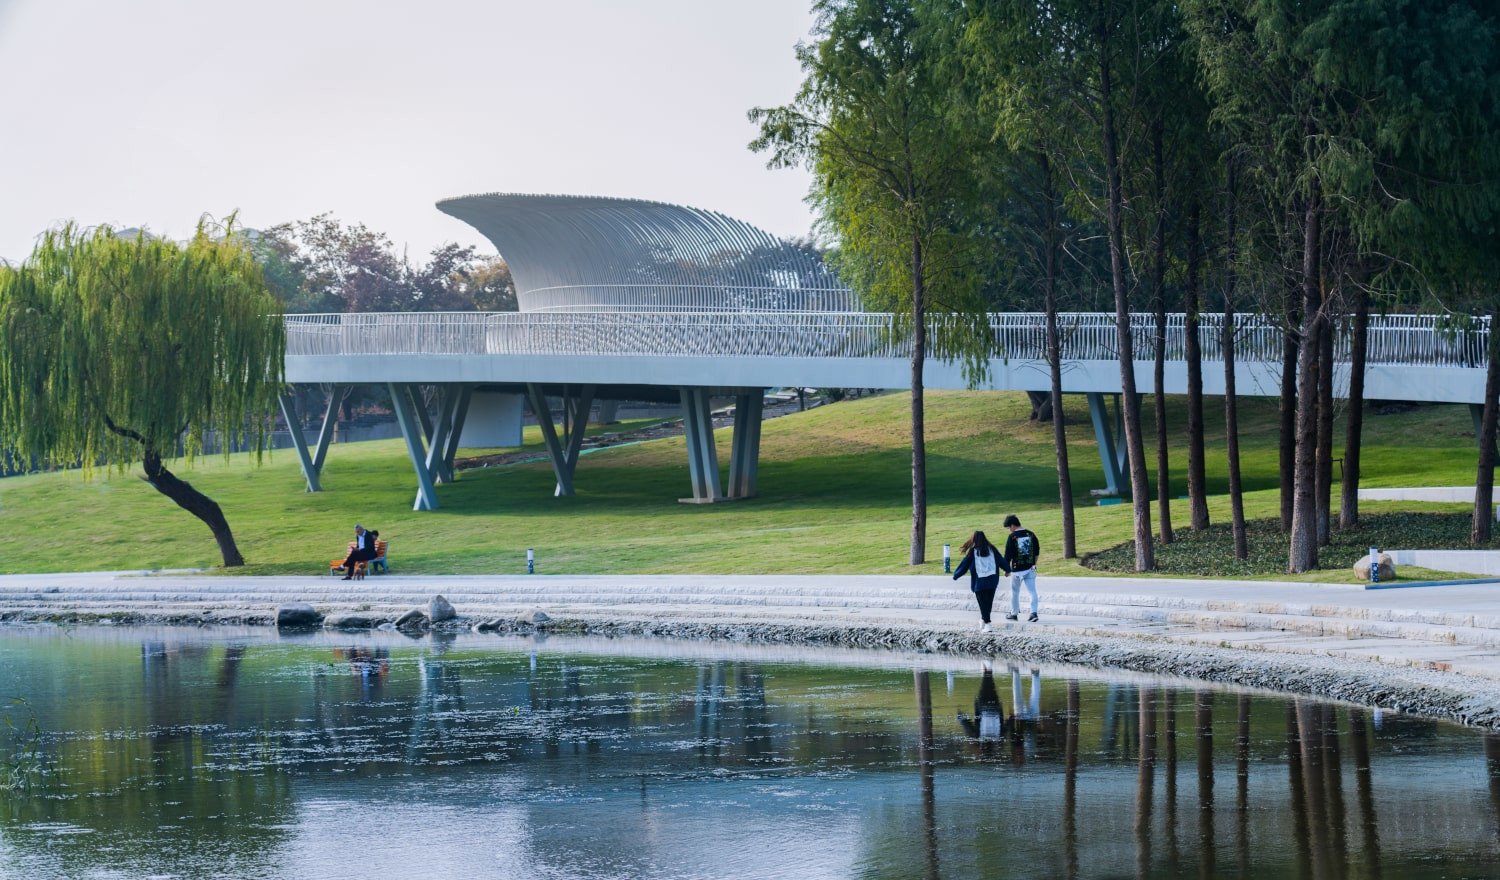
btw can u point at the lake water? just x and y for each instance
(187, 753)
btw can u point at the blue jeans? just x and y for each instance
(1017, 578)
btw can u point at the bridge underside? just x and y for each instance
(432, 417)
(431, 394)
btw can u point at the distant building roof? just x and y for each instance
(593, 253)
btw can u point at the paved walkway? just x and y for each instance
(1448, 629)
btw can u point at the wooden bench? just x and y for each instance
(364, 567)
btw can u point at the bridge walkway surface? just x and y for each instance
(1454, 630)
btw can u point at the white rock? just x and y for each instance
(440, 609)
(1387, 568)
(535, 617)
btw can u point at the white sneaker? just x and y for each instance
(986, 628)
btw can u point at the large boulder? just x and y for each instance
(1386, 563)
(440, 609)
(297, 614)
(352, 620)
(416, 618)
(535, 617)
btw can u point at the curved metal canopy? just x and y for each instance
(603, 254)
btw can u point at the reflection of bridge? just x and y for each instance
(638, 300)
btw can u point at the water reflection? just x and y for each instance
(187, 755)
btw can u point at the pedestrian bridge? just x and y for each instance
(693, 356)
(627, 299)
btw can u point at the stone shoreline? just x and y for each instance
(1448, 695)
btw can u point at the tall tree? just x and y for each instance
(1056, 65)
(1226, 346)
(1102, 28)
(873, 120)
(117, 349)
(1031, 114)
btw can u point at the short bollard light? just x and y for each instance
(947, 559)
(1374, 565)
(530, 561)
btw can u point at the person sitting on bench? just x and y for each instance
(361, 550)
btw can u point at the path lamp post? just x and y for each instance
(1374, 565)
(530, 561)
(947, 559)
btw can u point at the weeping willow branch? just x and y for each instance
(117, 347)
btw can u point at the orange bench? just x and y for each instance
(362, 567)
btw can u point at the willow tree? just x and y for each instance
(122, 348)
(892, 166)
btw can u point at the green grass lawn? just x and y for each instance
(834, 497)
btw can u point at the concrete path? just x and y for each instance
(1453, 629)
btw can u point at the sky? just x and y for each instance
(153, 112)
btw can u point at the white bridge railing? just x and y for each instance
(1426, 340)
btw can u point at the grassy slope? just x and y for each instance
(834, 483)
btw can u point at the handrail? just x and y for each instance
(1413, 340)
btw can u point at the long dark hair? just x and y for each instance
(979, 544)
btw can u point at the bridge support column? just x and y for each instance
(563, 452)
(744, 455)
(336, 399)
(419, 406)
(460, 416)
(703, 456)
(403, 398)
(437, 441)
(1109, 433)
(294, 427)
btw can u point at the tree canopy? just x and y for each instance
(126, 348)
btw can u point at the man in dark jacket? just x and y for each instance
(1021, 553)
(362, 551)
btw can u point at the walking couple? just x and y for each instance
(983, 563)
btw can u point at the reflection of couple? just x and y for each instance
(988, 720)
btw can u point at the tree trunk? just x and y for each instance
(1325, 424)
(1358, 343)
(1484, 481)
(918, 435)
(1226, 342)
(1197, 479)
(1159, 346)
(194, 502)
(1303, 554)
(1054, 366)
(1140, 488)
(1287, 408)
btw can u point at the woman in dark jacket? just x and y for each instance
(983, 564)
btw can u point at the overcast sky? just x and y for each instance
(151, 112)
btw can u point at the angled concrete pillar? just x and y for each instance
(564, 452)
(703, 456)
(744, 452)
(411, 432)
(609, 411)
(419, 406)
(330, 420)
(1107, 433)
(437, 444)
(460, 415)
(294, 427)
